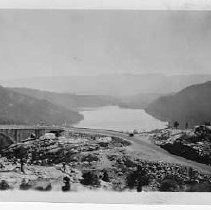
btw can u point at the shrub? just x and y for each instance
(119, 142)
(66, 186)
(202, 187)
(131, 180)
(90, 158)
(90, 178)
(129, 163)
(25, 185)
(44, 188)
(103, 144)
(176, 124)
(169, 185)
(105, 177)
(138, 179)
(4, 185)
(118, 185)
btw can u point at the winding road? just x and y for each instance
(143, 146)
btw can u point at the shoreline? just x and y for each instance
(123, 126)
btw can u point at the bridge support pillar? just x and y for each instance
(16, 136)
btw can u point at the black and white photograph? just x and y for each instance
(105, 105)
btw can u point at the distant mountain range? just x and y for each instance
(192, 105)
(138, 101)
(117, 85)
(17, 108)
(69, 101)
(31, 106)
(80, 102)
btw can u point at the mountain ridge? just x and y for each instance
(191, 105)
(17, 108)
(111, 84)
(69, 100)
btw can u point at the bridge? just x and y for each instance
(17, 133)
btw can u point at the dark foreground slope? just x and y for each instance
(16, 108)
(191, 105)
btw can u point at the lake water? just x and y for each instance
(120, 119)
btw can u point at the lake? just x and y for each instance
(119, 119)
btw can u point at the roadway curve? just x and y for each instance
(143, 146)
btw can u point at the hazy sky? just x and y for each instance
(70, 42)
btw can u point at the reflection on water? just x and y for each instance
(120, 119)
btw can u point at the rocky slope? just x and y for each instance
(79, 161)
(191, 144)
